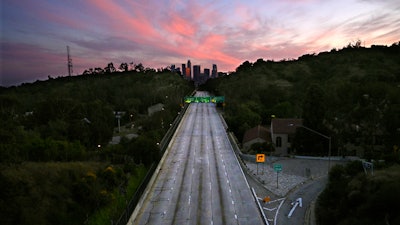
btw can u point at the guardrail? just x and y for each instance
(239, 155)
(125, 216)
(123, 219)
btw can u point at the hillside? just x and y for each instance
(56, 164)
(350, 94)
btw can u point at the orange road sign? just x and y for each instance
(260, 158)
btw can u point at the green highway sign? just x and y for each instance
(218, 99)
(204, 99)
(189, 99)
(277, 167)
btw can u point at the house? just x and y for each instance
(258, 134)
(282, 132)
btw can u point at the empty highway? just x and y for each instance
(200, 180)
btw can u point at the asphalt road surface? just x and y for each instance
(308, 193)
(200, 180)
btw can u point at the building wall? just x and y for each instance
(188, 73)
(184, 71)
(207, 73)
(189, 66)
(196, 73)
(214, 71)
(282, 146)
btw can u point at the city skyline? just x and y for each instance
(34, 34)
(188, 71)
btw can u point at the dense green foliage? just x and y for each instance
(77, 113)
(349, 94)
(61, 192)
(57, 166)
(259, 148)
(352, 197)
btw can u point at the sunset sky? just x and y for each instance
(158, 33)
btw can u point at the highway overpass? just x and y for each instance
(199, 180)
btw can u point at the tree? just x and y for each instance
(102, 122)
(110, 68)
(139, 67)
(244, 67)
(124, 67)
(314, 109)
(98, 70)
(143, 150)
(352, 197)
(88, 72)
(356, 44)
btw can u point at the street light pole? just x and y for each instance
(322, 135)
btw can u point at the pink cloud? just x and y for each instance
(177, 25)
(135, 24)
(158, 34)
(132, 23)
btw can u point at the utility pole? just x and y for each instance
(69, 62)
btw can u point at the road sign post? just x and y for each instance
(277, 169)
(260, 158)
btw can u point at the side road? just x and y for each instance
(299, 178)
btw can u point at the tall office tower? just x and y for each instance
(189, 65)
(184, 71)
(214, 72)
(207, 73)
(188, 72)
(196, 73)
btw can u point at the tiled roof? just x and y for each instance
(285, 126)
(257, 132)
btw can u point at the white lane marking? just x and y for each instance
(233, 202)
(269, 208)
(189, 199)
(235, 216)
(230, 190)
(279, 199)
(277, 211)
